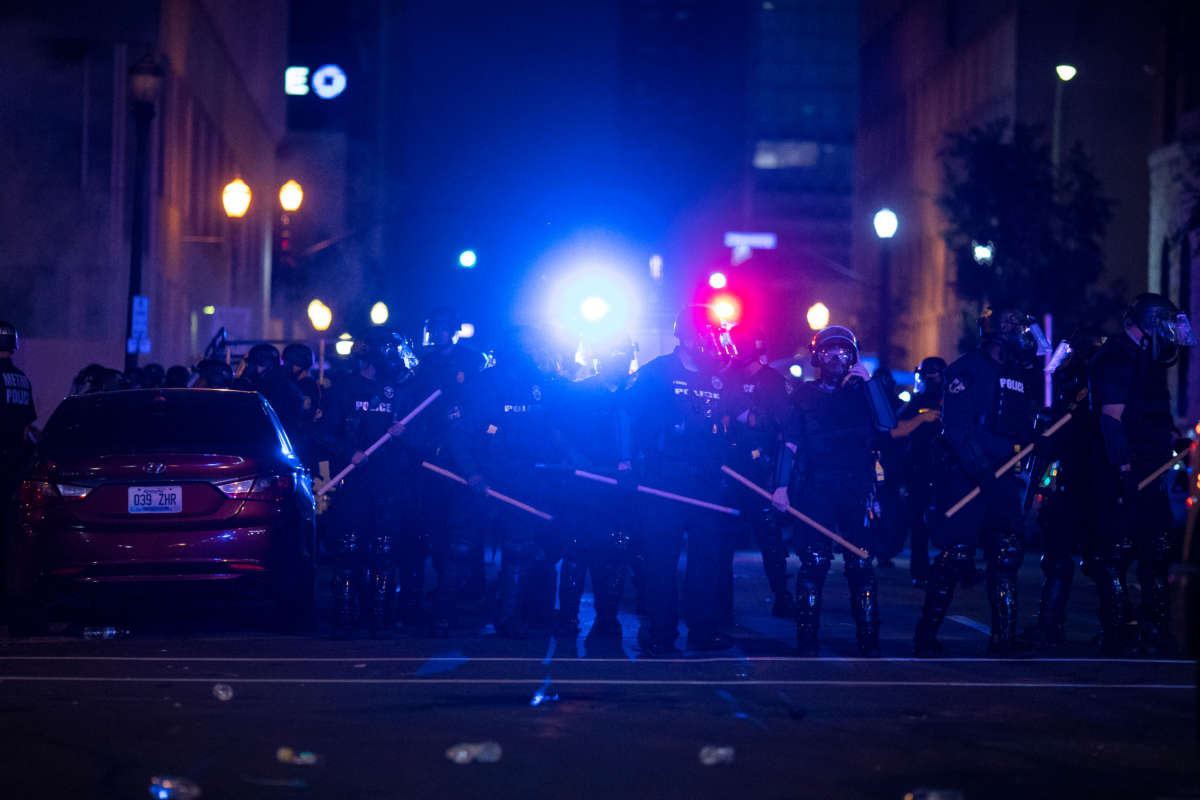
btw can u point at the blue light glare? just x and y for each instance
(594, 303)
(467, 259)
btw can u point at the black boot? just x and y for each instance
(943, 575)
(345, 603)
(785, 606)
(808, 614)
(1002, 596)
(571, 578)
(1118, 636)
(864, 604)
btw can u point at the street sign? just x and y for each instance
(139, 326)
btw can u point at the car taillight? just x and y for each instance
(71, 490)
(267, 487)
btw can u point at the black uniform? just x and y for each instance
(518, 433)
(988, 414)
(679, 437)
(1137, 523)
(835, 435)
(916, 477)
(449, 434)
(756, 408)
(1073, 508)
(597, 434)
(370, 506)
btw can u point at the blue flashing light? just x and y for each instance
(718, 280)
(467, 259)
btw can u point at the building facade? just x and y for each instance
(66, 221)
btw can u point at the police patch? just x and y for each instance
(717, 383)
(537, 394)
(956, 386)
(389, 392)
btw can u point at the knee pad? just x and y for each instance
(954, 562)
(1009, 552)
(1057, 567)
(814, 564)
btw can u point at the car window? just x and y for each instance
(185, 420)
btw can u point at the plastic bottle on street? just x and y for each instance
(105, 633)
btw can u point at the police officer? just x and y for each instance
(370, 503)
(1128, 381)
(832, 435)
(597, 432)
(261, 359)
(449, 433)
(520, 399)
(916, 458)
(675, 402)
(297, 366)
(17, 416)
(1073, 509)
(988, 414)
(756, 408)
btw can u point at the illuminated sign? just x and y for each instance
(326, 82)
(755, 241)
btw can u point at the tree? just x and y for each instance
(1044, 231)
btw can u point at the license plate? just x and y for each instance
(155, 499)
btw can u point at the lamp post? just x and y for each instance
(145, 80)
(1065, 73)
(886, 224)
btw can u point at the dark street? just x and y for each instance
(101, 718)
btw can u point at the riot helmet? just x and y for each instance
(9, 341)
(176, 378)
(930, 376)
(1163, 326)
(440, 327)
(835, 350)
(213, 374)
(699, 330)
(1015, 333)
(263, 357)
(297, 357)
(749, 344)
(154, 375)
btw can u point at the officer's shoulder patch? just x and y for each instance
(717, 383)
(957, 386)
(461, 376)
(536, 391)
(389, 392)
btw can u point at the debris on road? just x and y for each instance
(171, 788)
(934, 794)
(223, 692)
(106, 633)
(301, 758)
(479, 752)
(711, 755)
(544, 694)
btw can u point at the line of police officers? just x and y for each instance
(513, 422)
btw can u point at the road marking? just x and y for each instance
(526, 660)
(595, 682)
(972, 624)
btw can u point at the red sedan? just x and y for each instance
(166, 486)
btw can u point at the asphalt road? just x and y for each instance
(211, 697)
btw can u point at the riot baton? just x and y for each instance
(679, 498)
(807, 520)
(1153, 476)
(1007, 465)
(379, 442)
(503, 498)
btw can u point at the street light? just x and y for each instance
(291, 196)
(236, 198)
(379, 313)
(886, 224)
(145, 81)
(1065, 73)
(320, 315)
(983, 253)
(818, 316)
